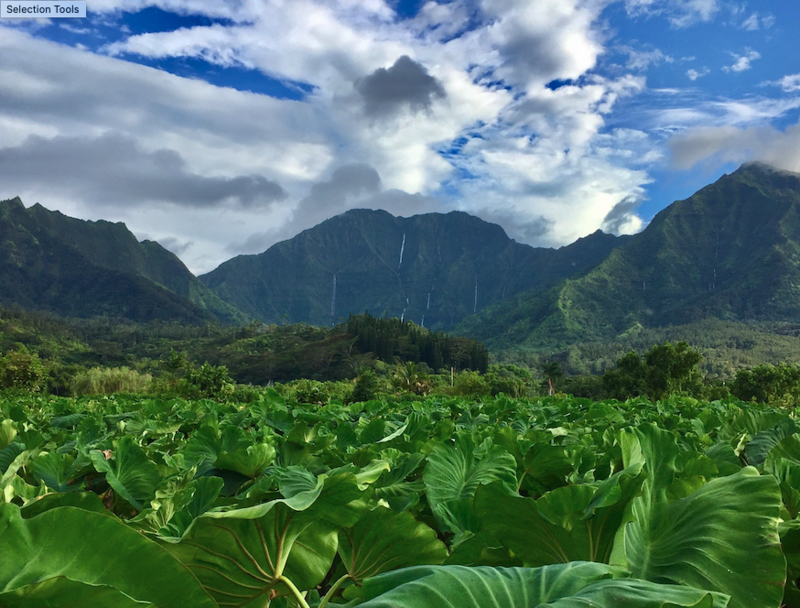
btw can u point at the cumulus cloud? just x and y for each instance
(742, 62)
(622, 215)
(465, 116)
(405, 84)
(113, 170)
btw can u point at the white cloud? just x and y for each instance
(695, 74)
(742, 62)
(679, 13)
(756, 22)
(543, 162)
(718, 145)
(641, 60)
(790, 83)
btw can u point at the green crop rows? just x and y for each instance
(500, 503)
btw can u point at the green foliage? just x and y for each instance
(207, 382)
(666, 369)
(367, 385)
(773, 384)
(107, 381)
(20, 369)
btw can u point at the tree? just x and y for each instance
(551, 372)
(20, 369)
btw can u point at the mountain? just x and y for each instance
(730, 252)
(434, 269)
(49, 261)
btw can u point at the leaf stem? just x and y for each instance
(333, 590)
(295, 592)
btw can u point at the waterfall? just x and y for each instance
(333, 298)
(428, 305)
(475, 305)
(402, 249)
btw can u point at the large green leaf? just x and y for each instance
(570, 585)
(61, 592)
(132, 475)
(576, 522)
(383, 540)
(454, 472)
(723, 537)
(93, 549)
(245, 556)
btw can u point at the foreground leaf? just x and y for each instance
(85, 547)
(560, 586)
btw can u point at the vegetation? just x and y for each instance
(441, 501)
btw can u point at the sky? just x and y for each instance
(220, 128)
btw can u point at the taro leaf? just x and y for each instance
(88, 501)
(247, 555)
(250, 461)
(756, 450)
(546, 468)
(204, 492)
(58, 471)
(725, 533)
(452, 475)
(132, 475)
(394, 487)
(61, 592)
(559, 586)
(383, 540)
(8, 431)
(567, 524)
(68, 421)
(790, 544)
(94, 549)
(482, 549)
(9, 454)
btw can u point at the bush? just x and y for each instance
(20, 369)
(207, 382)
(107, 381)
(367, 385)
(314, 392)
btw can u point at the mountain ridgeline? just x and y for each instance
(731, 252)
(77, 268)
(433, 269)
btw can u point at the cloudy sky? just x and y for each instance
(219, 128)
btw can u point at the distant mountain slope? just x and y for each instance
(72, 267)
(730, 252)
(434, 269)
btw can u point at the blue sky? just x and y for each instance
(221, 128)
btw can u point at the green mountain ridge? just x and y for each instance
(434, 269)
(730, 252)
(52, 262)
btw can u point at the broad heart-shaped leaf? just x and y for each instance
(573, 523)
(723, 537)
(383, 540)
(58, 471)
(453, 473)
(228, 449)
(573, 585)
(244, 556)
(94, 549)
(61, 592)
(546, 468)
(132, 475)
(790, 543)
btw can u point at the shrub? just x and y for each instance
(20, 369)
(107, 381)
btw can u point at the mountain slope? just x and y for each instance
(49, 261)
(434, 269)
(731, 251)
